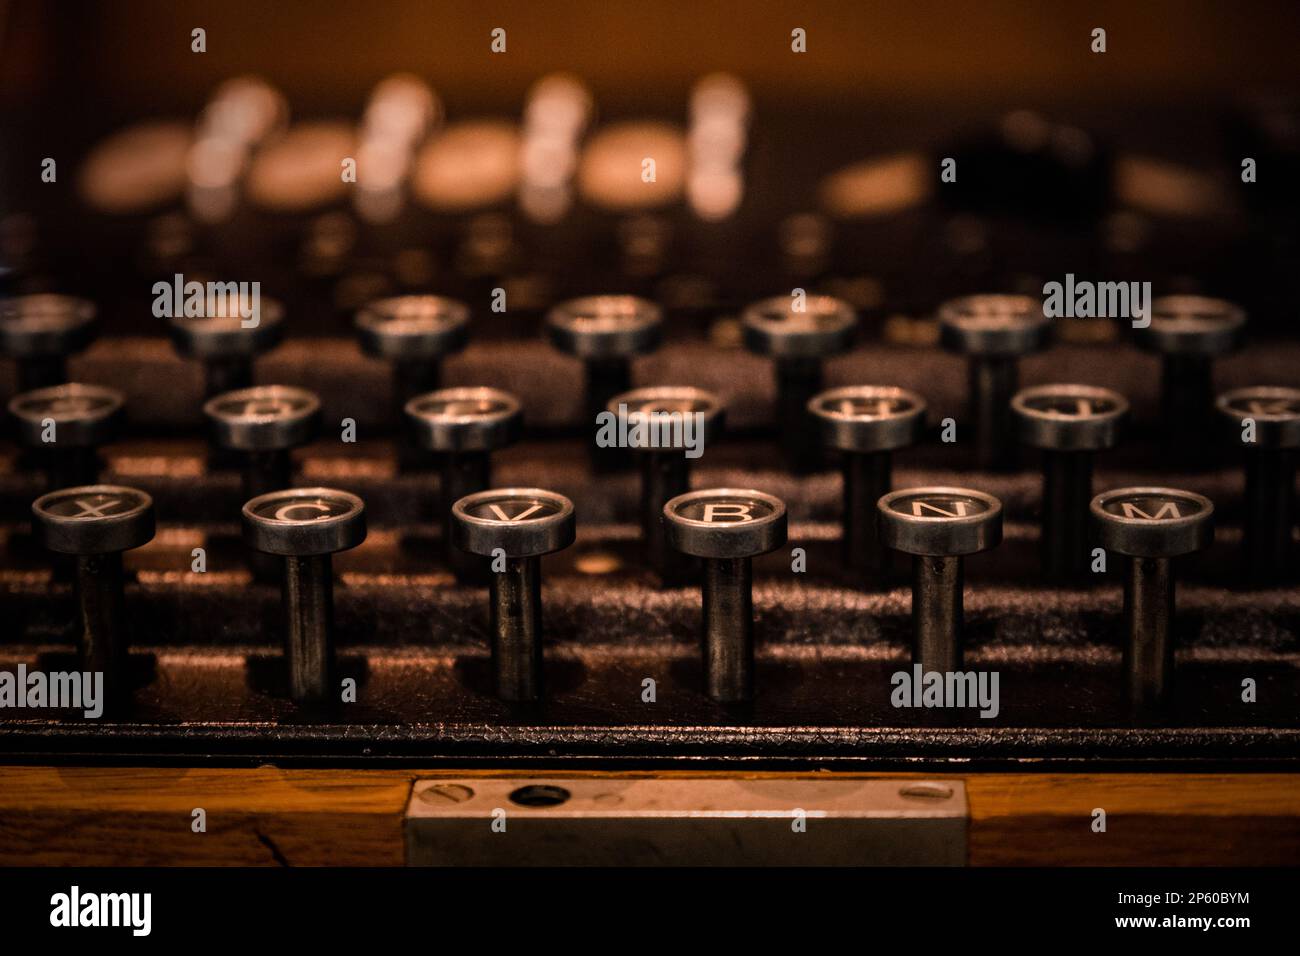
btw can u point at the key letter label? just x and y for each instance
(502, 516)
(89, 510)
(729, 512)
(283, 513)
(1167, 510)
(917, 511)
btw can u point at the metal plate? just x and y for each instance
(622, 821)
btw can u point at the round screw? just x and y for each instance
(1069, 423)
(83, 417)
(305, 526)
(664, 423)
(937, 526)
(39, 332)
(1189, 332)
(727, 527)
(867, 424)
(1270, 502)
(993, 331)
(464, 426)
(798, 342)
(96, 523)
(438, 794)
(1149, 526)
(523, 524)
(414, 333)
(220, 340)
(606, 332)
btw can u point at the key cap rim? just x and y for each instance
(940, 536)
(867, 434)
(732, 540)
(109, 534)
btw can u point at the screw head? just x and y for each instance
(940, 521)
(523, 522)
(869, 418)
(443, 793)
(413, 327)
(220, 333)
(643, 404)
(300, 522)
(926, 791)
(84, 415)
(725, 523)
(993, 324)
(1193, 325)
(93, 519)
(824, 327)
(263, 418)
(605, 326)
(1069, 417)
(1149, 522)
(1274, 409)
(45, 325)
(465, 419)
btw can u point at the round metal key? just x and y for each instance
(1151, 522)
(465, 419)
(96, 523)
(605, 326)
(301, 522)
(1070, 417)
(1264, 422)
(83, 415)
(776, 327)
(306, 526)
(45, 324)
(1193, 325)
(938, 527)
(93, 519)
(654, 412)
(993, 332)
(1189, 332)
(260, 426)
(941, 522)
(865, 419)
(1150, 526)
(799, 335)
(720, 523)
(1274, 410)
(993, 324)
(222, 333)
(605, 332)
(464, 426)
(727, 527)
(667, 427)
(410, 328)
(1068, 423)
(522, 522)
(263, 418)
(41, 331)
(867, 424)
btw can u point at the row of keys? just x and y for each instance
(864, 424)
(414, 333)
(725, 528)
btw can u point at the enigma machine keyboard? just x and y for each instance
(539, 414)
